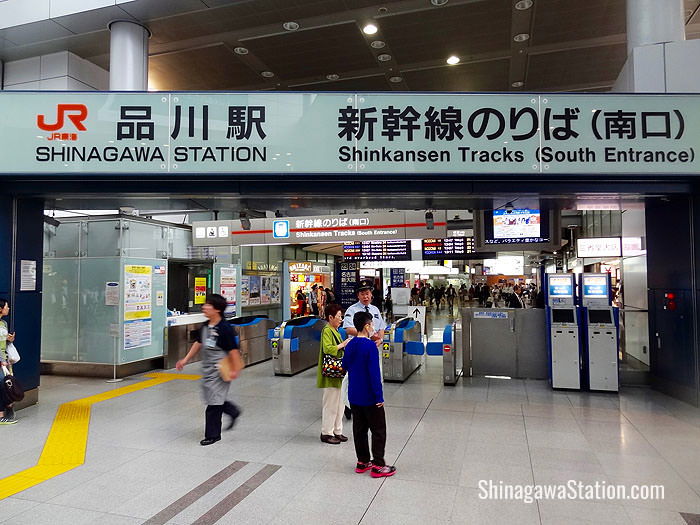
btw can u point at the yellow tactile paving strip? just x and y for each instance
(67, 440)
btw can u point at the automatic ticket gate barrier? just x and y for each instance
(295, 344)
(564, 343)
(251, 335)
(450, 348)
(402, 349)
(599, 331)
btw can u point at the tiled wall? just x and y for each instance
(62, 71)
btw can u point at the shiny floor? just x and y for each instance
(144, 454)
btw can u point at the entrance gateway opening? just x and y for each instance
(124, 277)
(528, 262)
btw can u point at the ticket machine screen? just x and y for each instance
(595, 286)
(563, 316)
(599, 317)
(561, 286)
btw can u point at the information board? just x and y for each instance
(377, 251)
(346, 279)
(450, 248)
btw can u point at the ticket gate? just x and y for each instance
(450, 348)
(402, 349)
(295, 344)
(251, 334)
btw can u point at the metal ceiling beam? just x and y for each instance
(521, 24)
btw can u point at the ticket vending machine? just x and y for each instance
(563, 332)
(600, 329)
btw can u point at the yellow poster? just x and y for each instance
(200, 290)
(137, 292)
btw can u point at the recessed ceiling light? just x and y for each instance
(521, 37)
(291, 26)
(267, 74)
(240, 50)
(439, 3)
(523, 5)
(384, 57)
(332, 76)
(378, 44)
(370, 29)
(453, 60)
(395, 80)
(518, 83)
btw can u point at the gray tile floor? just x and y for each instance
(143, 454)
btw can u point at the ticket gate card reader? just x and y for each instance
(295, 344)
(402, 350)
(600, 330)
(251, 336)
(564, 343)
(450, 348)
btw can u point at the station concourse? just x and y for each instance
(515, 179)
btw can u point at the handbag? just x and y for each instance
(332, 366)
(225, 367)
(13, 389)
(12, 353)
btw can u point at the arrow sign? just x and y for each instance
(418, 314)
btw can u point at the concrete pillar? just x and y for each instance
(654, 22)
(128, 56)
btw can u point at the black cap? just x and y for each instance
(365, 284)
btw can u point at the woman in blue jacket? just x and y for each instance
(361, 361)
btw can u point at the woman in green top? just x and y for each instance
(331, 343)
(7, 415)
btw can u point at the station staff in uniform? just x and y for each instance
(364, 304)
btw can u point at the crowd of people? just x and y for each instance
(501, 295)
(313, 301)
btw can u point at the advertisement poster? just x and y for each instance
(200, 290)
(227, 285)
(254, 296)
(265, 290)
(245, 290)
(27, 276)
(275, 290)
(137, 333)
(137, 295)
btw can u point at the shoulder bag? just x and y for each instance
(332, 366)
(13, 389)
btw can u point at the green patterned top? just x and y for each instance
(330, 338)
(3, 341)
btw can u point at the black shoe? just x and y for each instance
(234, 417)
(348, 413)
(331, 440)
(209, 441)
(341, 437)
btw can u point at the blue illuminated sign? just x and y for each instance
(561, 286)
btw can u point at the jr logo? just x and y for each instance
(76, 113)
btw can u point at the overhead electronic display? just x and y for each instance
(534, 226)
(516, 224)
(377, 251)
(450, 248)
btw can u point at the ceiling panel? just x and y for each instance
(558, 21)
(239, 16)
(374, 83)
(574, 67)
(201, 69)
(301, 54)
(483, 76)
(462, 30)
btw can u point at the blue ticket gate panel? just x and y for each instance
(563, 330)
(296, 344)
(600, 333)
(402, 349)
(450, 348)
(251, 335)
